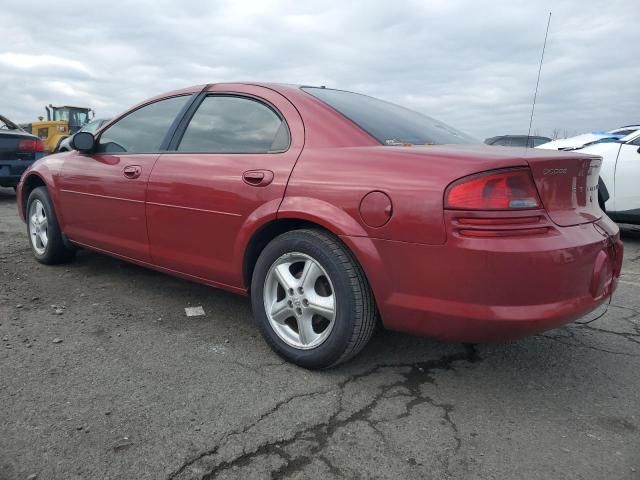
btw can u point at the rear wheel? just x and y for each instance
(311, 299)
(44, 233)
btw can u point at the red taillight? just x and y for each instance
(503, 190)
(28, 145)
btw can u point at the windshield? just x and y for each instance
(389, 123)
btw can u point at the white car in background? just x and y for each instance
(580, 141)
(619, 186)
(626, 130)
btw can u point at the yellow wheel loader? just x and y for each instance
(60, 123)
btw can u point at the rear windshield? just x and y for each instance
(389, 123)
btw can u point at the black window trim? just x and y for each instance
(180, 130)
(170, 132)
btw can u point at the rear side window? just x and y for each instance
(230, 124)
(143, 130)
(390, 124)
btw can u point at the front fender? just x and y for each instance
(46, 171)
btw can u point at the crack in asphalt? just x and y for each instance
(632, 337)
(577, 342)
(241, 431)
(319, 434)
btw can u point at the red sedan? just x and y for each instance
(332, 210)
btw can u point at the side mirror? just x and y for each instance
(83, 142)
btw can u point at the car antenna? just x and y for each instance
(535, 93)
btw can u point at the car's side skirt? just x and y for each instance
(175, 273)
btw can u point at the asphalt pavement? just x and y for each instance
(103, 376)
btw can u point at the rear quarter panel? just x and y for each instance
(413, 177)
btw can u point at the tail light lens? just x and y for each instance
(28, 145)
(502, 190)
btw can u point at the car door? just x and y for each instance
(627, 177)
(101, 195)
(230, 161)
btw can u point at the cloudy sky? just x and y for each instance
(472, 64)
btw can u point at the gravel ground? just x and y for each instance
(102, 376)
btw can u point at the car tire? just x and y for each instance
(45, 237)
(322, 312)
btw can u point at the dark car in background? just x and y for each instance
(91, 127)
(517, 140)
(18, 150)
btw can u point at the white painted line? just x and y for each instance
(194, 311)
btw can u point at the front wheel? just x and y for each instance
(44, 233)
(311, 299)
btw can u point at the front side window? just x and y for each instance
(143, 130)
(229, 124)
(390, 124)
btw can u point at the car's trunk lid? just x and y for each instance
(568, 186)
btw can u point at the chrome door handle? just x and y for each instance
(257, 178)
(132, 171)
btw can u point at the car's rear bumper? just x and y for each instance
(490, 289)
(12, 170)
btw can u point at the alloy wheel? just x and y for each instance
(299, 300)
(38, 227)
